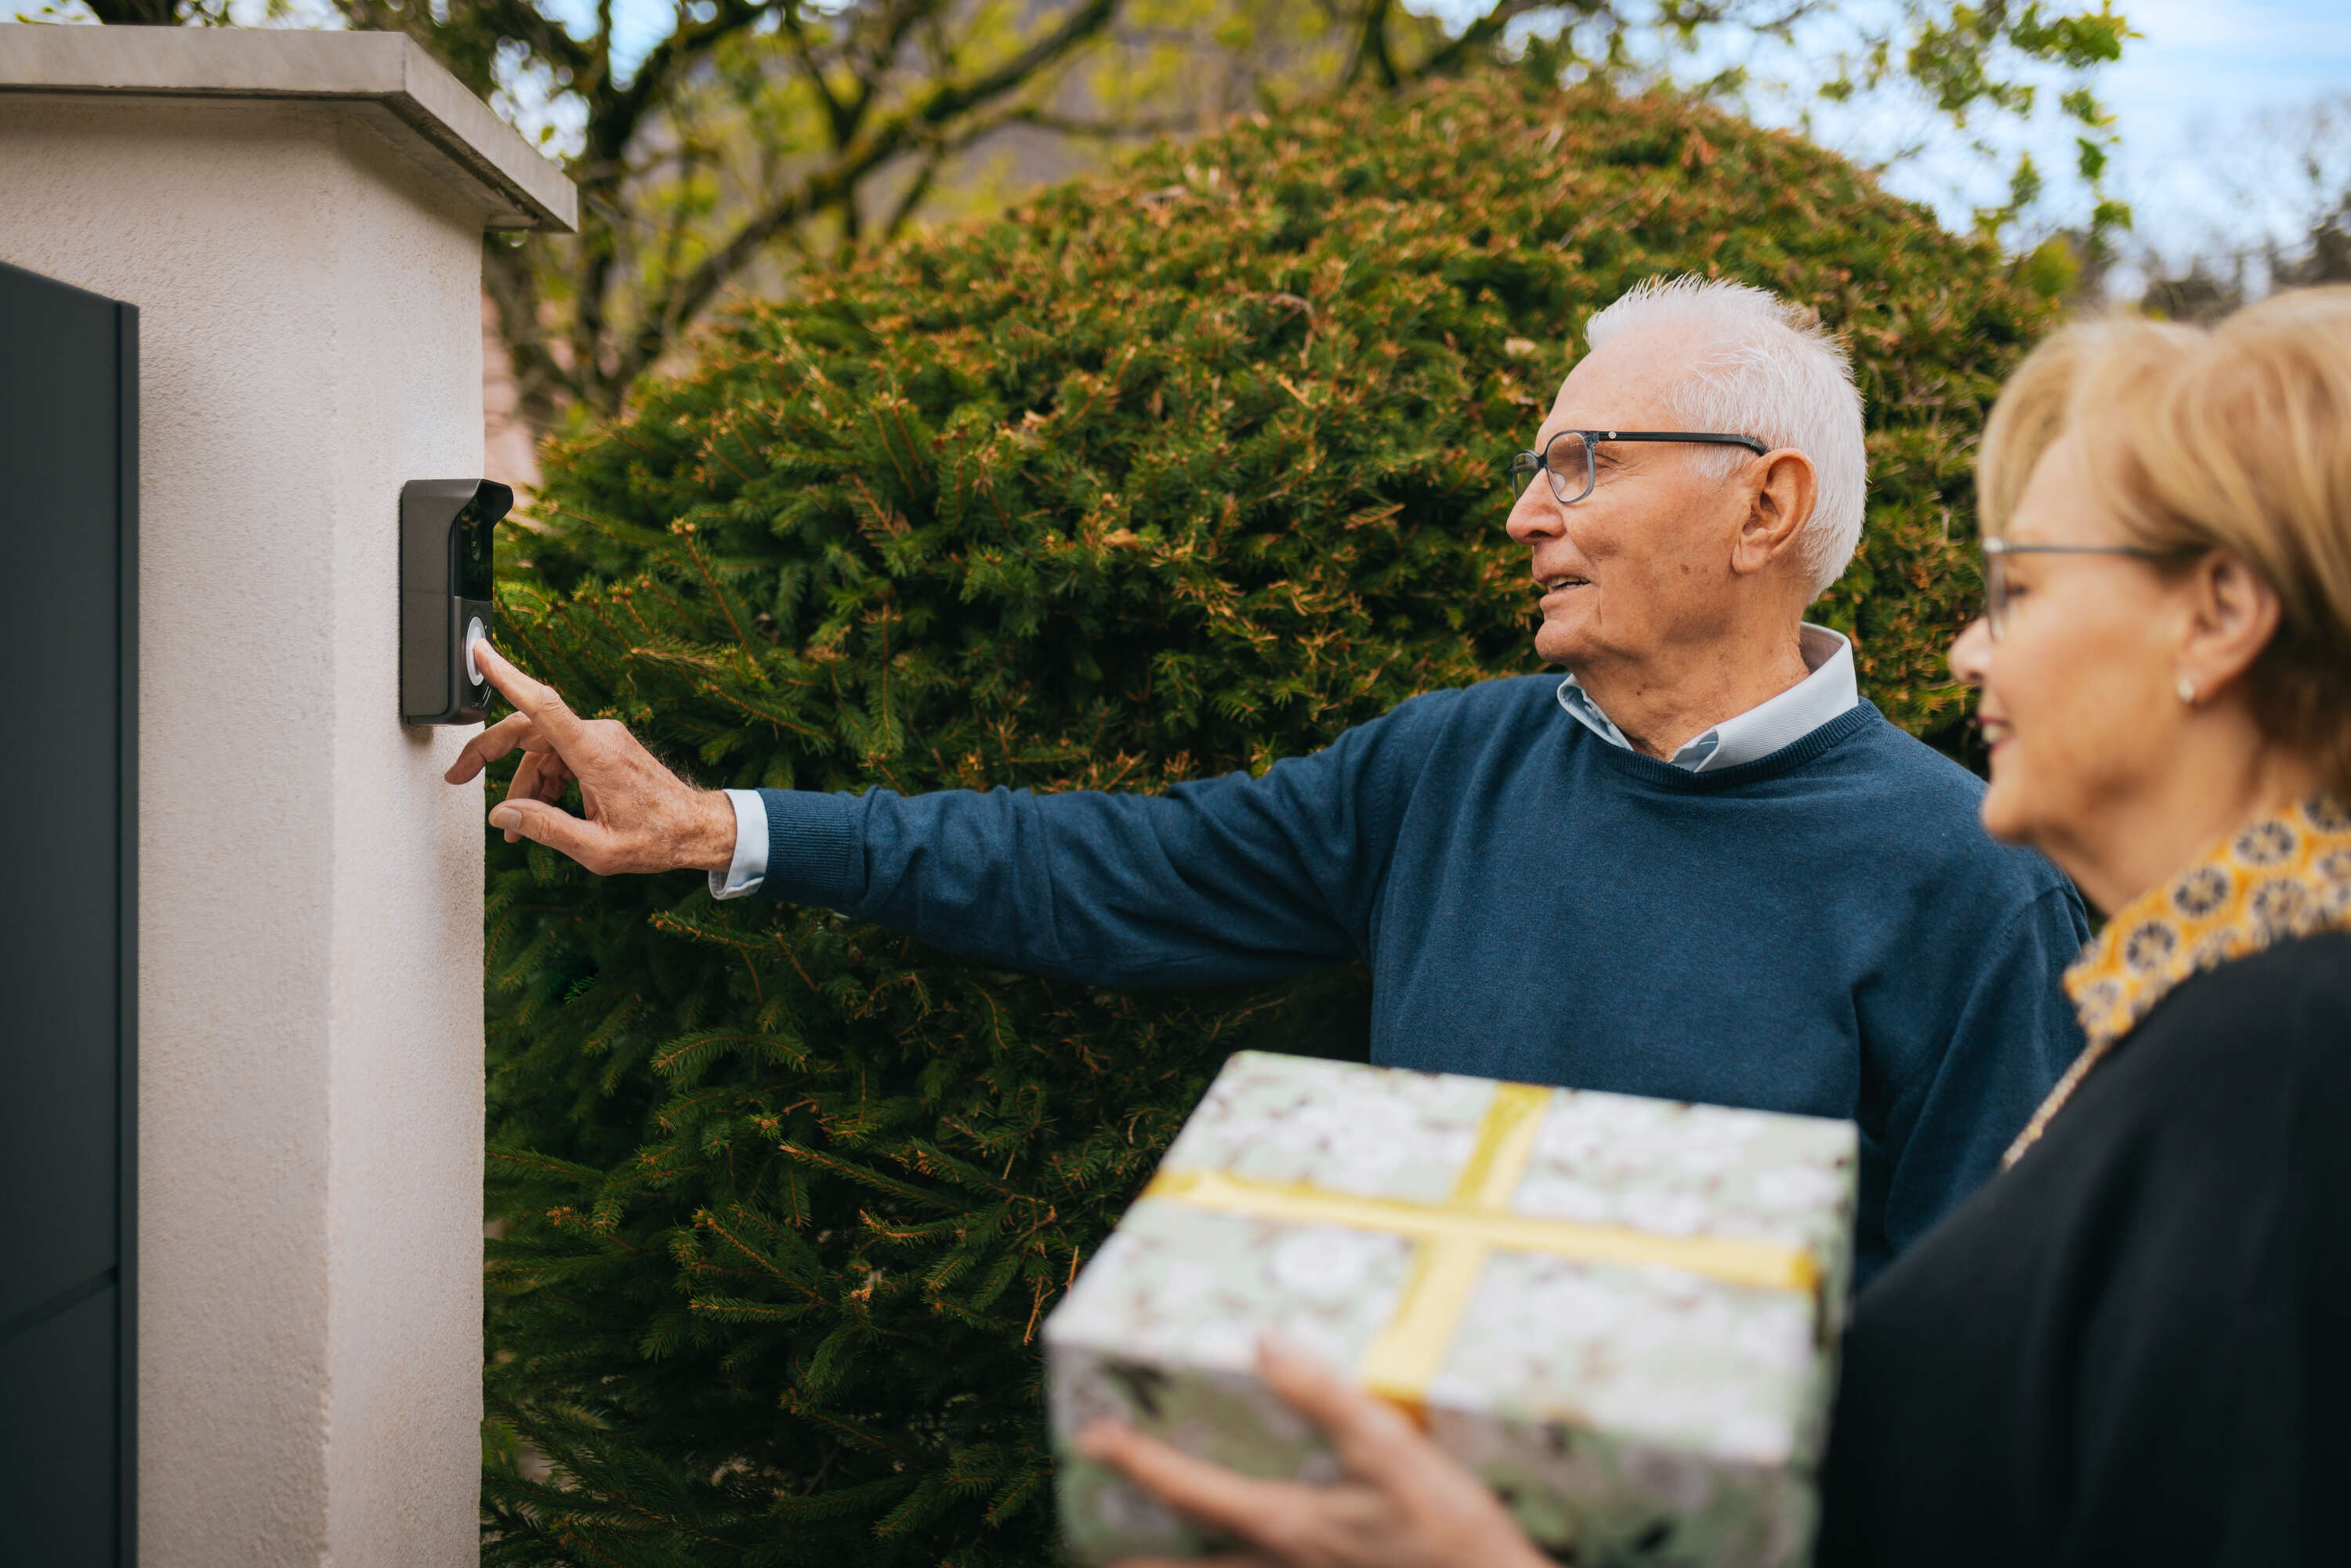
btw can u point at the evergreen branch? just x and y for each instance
(531, 1159)
(745, 650)
(873, 1179)
(734, 1310)
(712, 930)
(861, 1436)
(765, 714)
(930, 1160)
(836, 1503)
(920, 1506)
(1016, 1493)
(689, 1054)
(776, 1270)
(899, 1231)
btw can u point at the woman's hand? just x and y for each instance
(1403, 1504)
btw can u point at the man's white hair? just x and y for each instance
(1766, 370)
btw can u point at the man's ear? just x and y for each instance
(2232, 614)
(1784, 490)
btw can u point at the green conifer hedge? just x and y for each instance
(1167, 474)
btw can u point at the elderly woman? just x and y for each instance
(2134, 1345)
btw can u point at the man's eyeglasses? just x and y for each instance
(1996, 552)
(1567, 457)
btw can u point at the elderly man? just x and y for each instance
(1698, 867)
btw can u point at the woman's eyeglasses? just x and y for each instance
(1567, 459)
(1996, 552)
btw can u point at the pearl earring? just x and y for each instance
(2188, 691)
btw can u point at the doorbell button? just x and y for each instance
(474, 633)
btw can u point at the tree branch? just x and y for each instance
(1107, 130)
(1480, 33)
(612, 124)
(541, 381)
(912, 196)
(1371, 48)
(136, 13)
(899, 23)
(844, 123)
(971, 135)
(828, 188)
(470, 50)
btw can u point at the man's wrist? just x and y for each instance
(709, 841)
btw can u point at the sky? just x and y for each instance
(2207, 102)
(2194, 159)
(2188, 96)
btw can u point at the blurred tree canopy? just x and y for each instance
(722, 147)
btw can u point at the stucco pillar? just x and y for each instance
(299, 217)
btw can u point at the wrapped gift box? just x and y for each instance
(1622, 1313)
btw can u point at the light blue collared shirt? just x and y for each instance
(1768, 726)
(1761, 730)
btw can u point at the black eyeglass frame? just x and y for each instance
(1525, 465)
(1997, 550)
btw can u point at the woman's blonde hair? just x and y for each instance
(2237, 438)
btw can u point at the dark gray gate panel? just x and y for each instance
(57, 1432)
(69, 625)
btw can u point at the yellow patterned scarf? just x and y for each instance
(2280, 877)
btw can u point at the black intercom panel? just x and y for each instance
(445, 527)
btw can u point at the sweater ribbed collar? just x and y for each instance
(1682, 781)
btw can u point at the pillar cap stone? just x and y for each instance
(388, 77)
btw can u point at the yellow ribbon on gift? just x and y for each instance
(1455, 1236)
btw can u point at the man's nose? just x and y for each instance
(1536, 515)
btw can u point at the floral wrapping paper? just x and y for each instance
(1628, 1413)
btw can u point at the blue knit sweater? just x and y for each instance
(1825, 930)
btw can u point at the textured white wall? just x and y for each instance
(311, 1042)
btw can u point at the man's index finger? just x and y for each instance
(540, 701)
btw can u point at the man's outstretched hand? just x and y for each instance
(635, 814)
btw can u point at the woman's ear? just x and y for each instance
(2233, 613)
(1781, 504)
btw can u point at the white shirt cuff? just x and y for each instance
(749, 867)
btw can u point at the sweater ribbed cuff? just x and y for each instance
(815, 848)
